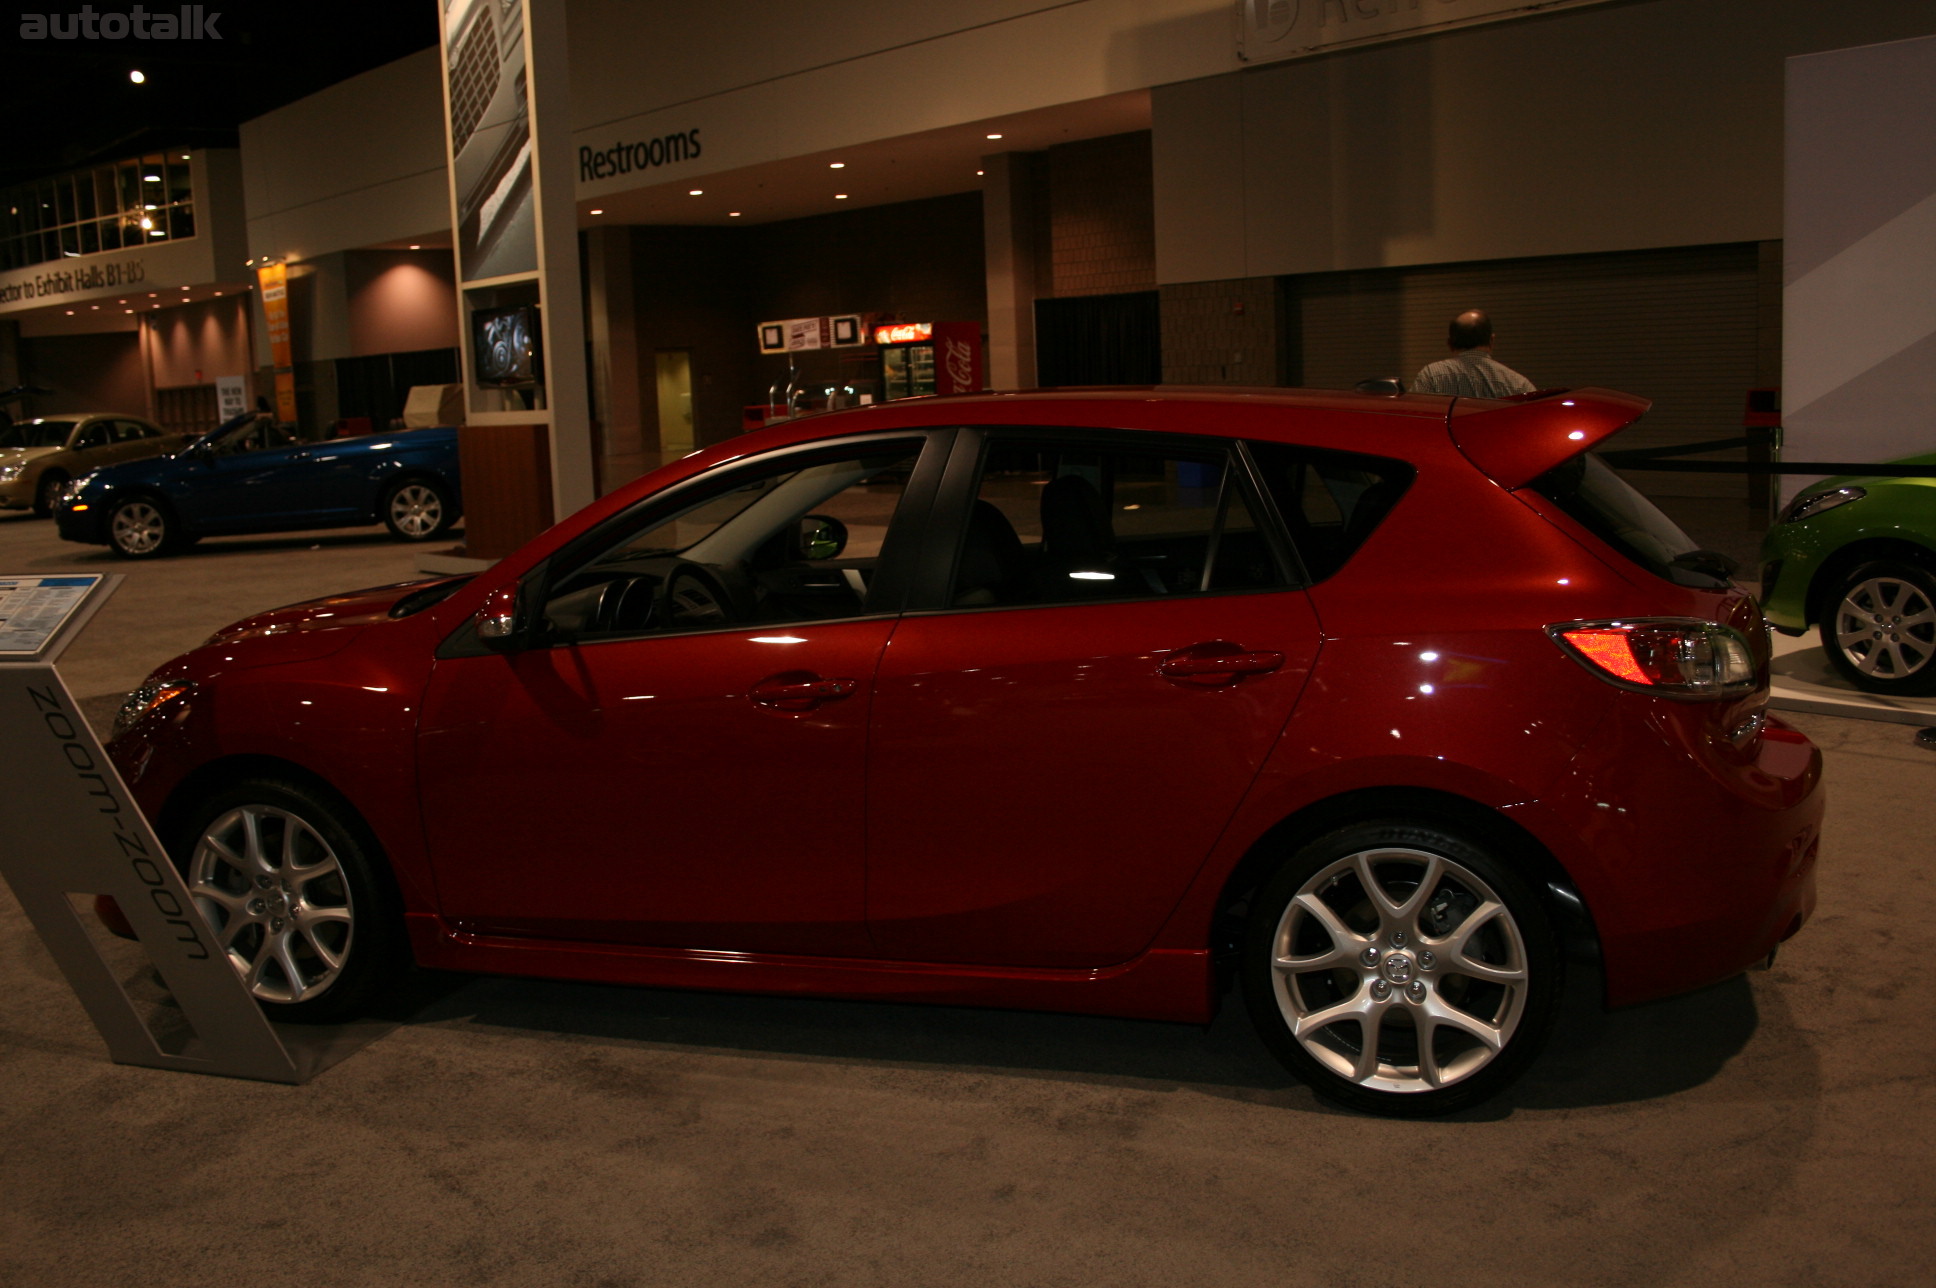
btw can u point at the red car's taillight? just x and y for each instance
(1676, 657)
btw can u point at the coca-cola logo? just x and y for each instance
(958, 360)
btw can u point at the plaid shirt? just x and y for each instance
(1471, 373)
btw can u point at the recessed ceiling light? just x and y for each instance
(137, 77)
(184, 288)
(416, 246)
(695, 192)
(218, 292)
(994, 136)
(598, 212)
(732, 214)
(840, 196)
(981, 172)
(70, 313)
(836, 165)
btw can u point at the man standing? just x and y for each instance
(1471, 371)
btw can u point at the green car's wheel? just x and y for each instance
(1879, 628)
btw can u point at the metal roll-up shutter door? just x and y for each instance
(1678, 326)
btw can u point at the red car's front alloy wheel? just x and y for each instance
(1676, 657)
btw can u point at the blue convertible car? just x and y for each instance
(250, 476)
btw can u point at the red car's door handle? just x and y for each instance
(1217, 661)
(799, 690)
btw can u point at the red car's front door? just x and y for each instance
(643, 791)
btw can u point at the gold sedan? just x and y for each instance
(38, 457)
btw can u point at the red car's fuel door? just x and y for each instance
(1057, 750)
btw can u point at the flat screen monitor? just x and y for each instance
(509, 354)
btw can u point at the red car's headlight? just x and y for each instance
(1675, 657)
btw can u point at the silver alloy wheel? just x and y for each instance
(416, 511)
(1886, 627)
(1399, 970)
(276, 896)
(138, 527)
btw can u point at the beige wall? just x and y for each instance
(400, 301)
(358, 164)
(195, 344)
(1605, 128)
(101, 372)
(764, 81)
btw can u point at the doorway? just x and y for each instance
(675, 403)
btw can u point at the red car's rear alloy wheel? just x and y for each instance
(1400, 969)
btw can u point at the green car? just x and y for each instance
(1856, 556)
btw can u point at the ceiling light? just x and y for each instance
(598, 212)
(184, 288)
(840, 196)
(994, 136)
(151, 178)
(415, 246)
(695, 192)
(137, 77)
(981, 172)
(836, 165)
(732, 214)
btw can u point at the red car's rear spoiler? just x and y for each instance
(1518, 441)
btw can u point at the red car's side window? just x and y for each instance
(1054, 523)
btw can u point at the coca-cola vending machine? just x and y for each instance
(929, 358)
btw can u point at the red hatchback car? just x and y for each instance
(1078, 701)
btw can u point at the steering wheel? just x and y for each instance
(694, 597)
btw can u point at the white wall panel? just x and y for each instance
(1859, 304)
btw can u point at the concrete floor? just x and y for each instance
(1775, 1129)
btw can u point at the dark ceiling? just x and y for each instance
(68, 103)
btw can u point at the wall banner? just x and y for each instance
(274, 281)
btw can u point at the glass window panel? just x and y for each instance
(1054, 525)
(90, 238)
(64, 199)
(181, 221)
(110, 234)
(760, 549)
(180, 186)
(1331, 501)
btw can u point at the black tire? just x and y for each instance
(298, 893)
(1454, 948)
(141, 527)
(1879, 627)
(47, 493)
(417, 509)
